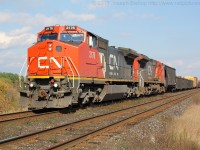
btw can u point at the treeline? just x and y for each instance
(11, 77)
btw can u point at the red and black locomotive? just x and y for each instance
(69, 65)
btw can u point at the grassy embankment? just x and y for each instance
(9, 93)
(184, 131)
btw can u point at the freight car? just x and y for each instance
(69, 65)
(194, 79)
(183, 84)
(170, 78)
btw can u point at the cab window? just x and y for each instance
(71, 37)
(92, 41)
(44, 37)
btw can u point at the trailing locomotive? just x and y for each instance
(69, 65)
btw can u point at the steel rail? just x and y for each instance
(14, 115)
(27, 115)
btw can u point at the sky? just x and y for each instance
(165, 30)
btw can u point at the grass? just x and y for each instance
(184, 131)
(9, 97)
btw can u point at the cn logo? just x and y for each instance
(52, 59)
(91, 54)
(113, 62)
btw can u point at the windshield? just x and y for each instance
(71, 37)
(47, 37)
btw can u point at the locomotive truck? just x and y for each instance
(69, 65)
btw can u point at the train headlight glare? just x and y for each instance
(55, 85)
(31, 85)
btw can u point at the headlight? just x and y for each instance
(55, 85)
(31, 85)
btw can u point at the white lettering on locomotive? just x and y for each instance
(91, 54)
(103, 62)
(56, 62)
(39, 65)
(113, 62)
(149, 70)
(47, 66)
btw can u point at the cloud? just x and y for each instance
(194, 65)
(16, 38)
(43, 20)
(20, 31)
(80, 17)
(183, 68)
(11, 61)
(174, 63)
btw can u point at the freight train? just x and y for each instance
(72, 66)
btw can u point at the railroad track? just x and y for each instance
(22, 116)
(10, 116)
(79, 131)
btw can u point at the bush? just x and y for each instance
(9, 95)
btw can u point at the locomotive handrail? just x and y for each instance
(29, 63)
(71, 71)
(25, 73)
(76, 72)
(20, 73)
(70, 66)
(141, 80)
(69, 59)
(74, 66)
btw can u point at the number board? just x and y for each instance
(49, 28)
(70, 27)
